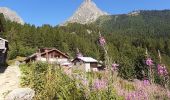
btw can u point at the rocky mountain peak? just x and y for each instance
(87, 12)
(88, 0)
(11, 15)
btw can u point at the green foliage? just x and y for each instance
(127, 38)
(103, 95)
(2, 25)
(126, 85)
(126, 69)
(51, 83)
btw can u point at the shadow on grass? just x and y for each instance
(3, 67)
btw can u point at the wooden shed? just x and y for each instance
(87, 64)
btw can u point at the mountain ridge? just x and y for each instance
(11, 15)
(88, 12)
(136, 21)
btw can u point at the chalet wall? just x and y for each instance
(84, 66)
(2, 44)
(52, 60)
(93, 65)
(87, 67)
(3, 57)
(78, 65)
(50, 55)
(3, 50)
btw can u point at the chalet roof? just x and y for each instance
(87, 59)
(32, 56)
(3, 39)
(57, 51)
(35, 54)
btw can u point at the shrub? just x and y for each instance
(51, 83)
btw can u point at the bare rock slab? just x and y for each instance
(21, 94)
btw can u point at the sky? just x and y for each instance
(54, 12)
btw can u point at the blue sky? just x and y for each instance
(54, 12)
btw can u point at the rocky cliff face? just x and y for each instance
(88, 12)
(11, 15)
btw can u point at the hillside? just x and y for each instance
(2, 23)
(127, 38)
(143, 22)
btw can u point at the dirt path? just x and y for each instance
(9, 80)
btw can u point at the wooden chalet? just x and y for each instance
(3, 50)
(50, 56)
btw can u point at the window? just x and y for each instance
(2, 44)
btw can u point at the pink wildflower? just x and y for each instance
(102, 41)
(168, 94)
(162, 70)
(149, 62)
(165, 71)
(146, 82)
(133, 95)
(128, 97)
(100, 84)
(114, 66)
(85, 82)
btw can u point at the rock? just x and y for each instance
(88, 12)
(11, 15)
(21, 94)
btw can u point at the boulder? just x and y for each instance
(21, 94)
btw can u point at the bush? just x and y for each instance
(51, 83)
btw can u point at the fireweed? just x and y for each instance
(146, 82)
(102, 40)
(137, 95)
(99, 84)
(114, 66)
(108, 65)
(162, 71)
(149, 63)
